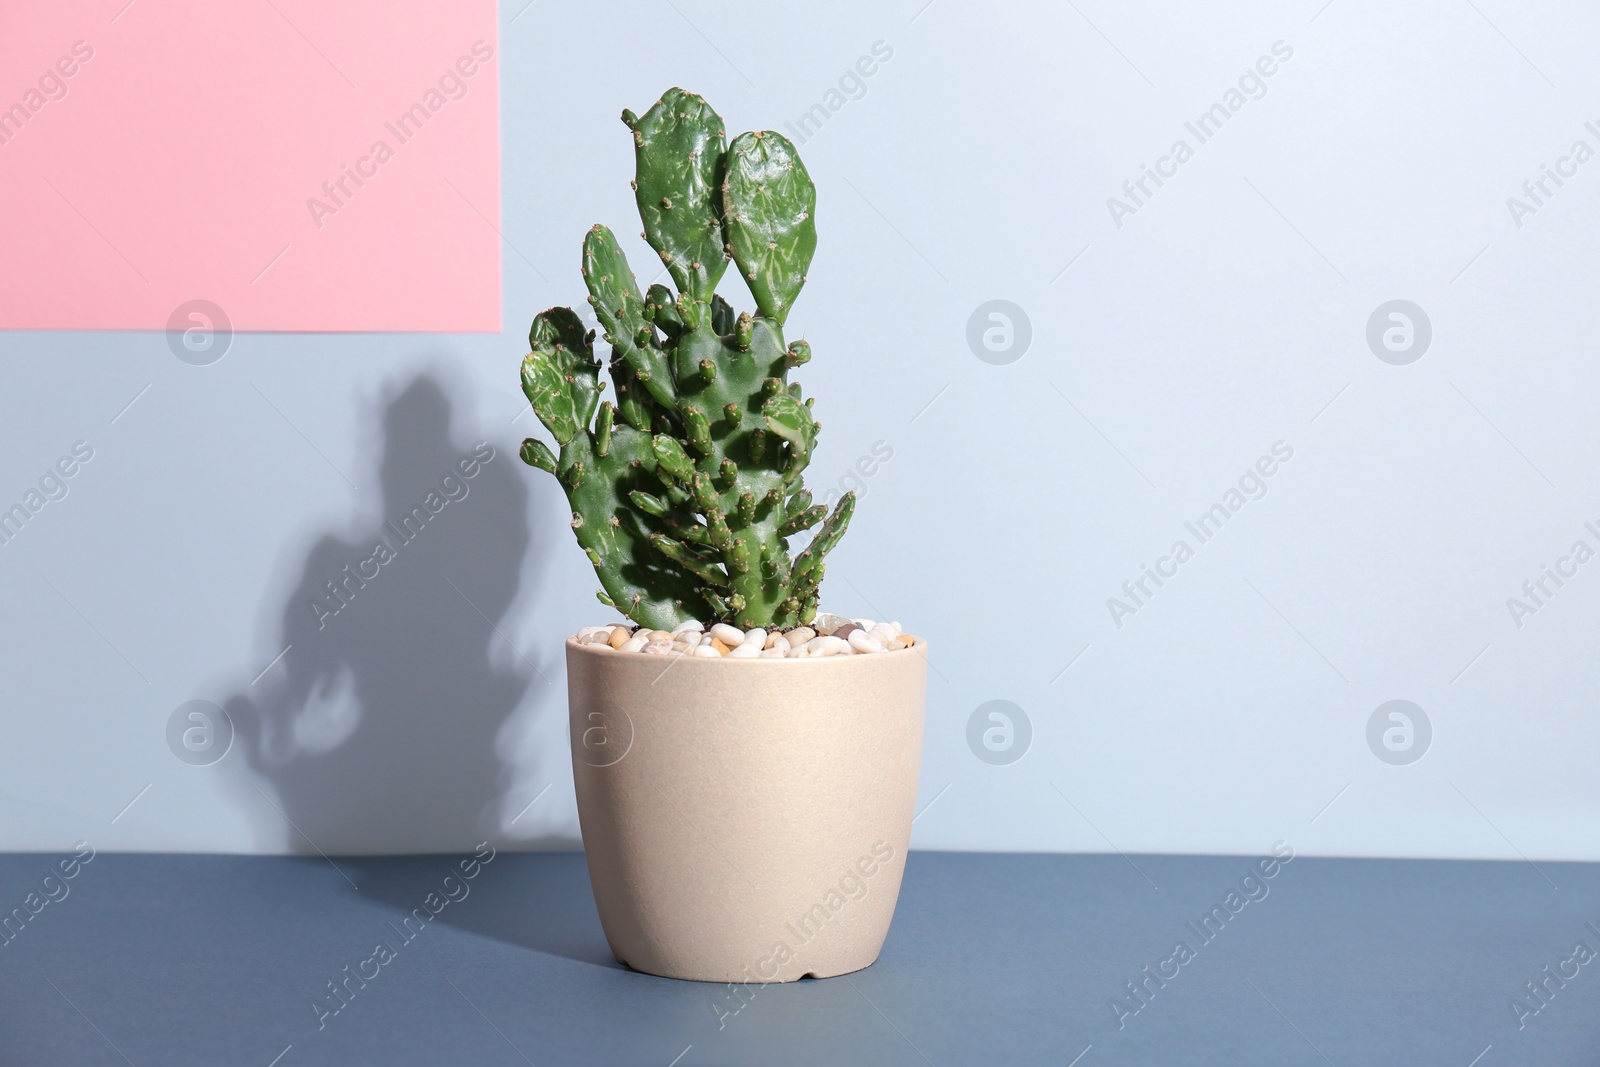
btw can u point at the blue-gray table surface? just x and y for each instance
(1006, 959)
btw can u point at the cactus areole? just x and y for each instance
(686, 487)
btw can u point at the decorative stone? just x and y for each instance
(827, 645)
(826, 624)
(731, 636)
(863, 641)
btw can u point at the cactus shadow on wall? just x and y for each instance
(379, 729)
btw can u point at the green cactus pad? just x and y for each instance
(614, 295)
(808, 564)
(537, 454)
(662, 310)
(679, 146)
(769, 204)
(673, 461)
(791, 420)
(560, 376)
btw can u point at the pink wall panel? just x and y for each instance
(254, 153)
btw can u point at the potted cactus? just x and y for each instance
(743, 821)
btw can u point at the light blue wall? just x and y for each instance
(1227, 313)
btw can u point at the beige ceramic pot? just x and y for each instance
(745, 820)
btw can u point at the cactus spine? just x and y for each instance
(686, 489)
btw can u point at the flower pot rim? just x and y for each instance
(921, 646)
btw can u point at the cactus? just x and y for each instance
(686, 489)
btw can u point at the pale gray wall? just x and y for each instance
(1229, 312)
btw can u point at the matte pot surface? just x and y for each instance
(746, 820)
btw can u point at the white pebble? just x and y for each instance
(774, 639)
(799, 636)
(731, 636)
(589, 631)
(827, 645)
(865, 624)
(894, 644)
(684, 627)
(757, 637)
(775, 652)
(687, 640)
(706, 652)
(800, 653)
(862, 641)
(633, 644)
(826, 623)
(744, 652)
(656, 650)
